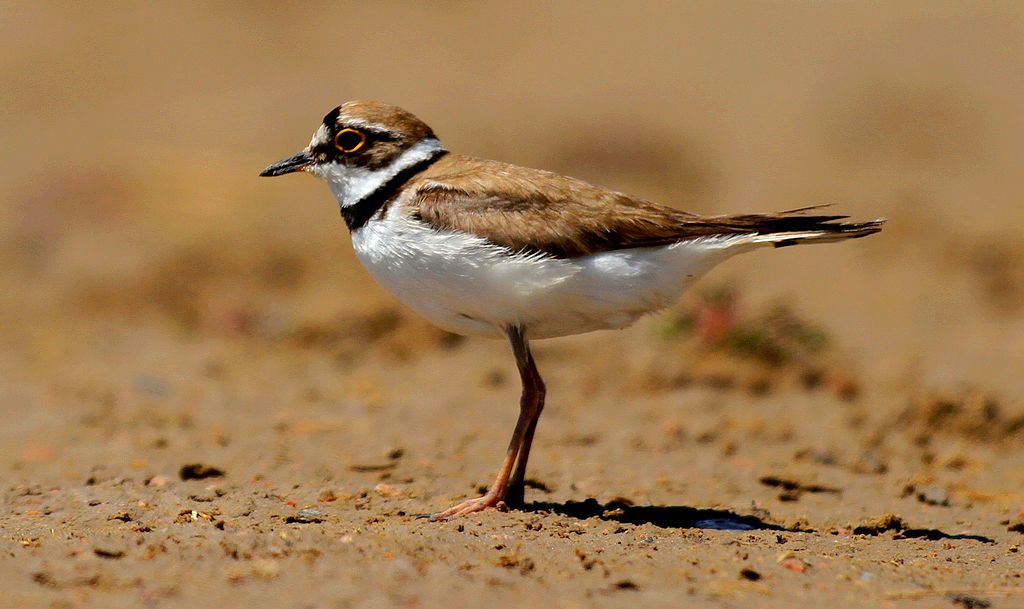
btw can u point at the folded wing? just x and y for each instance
(529, 210)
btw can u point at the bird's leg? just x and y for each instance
(530, 378)
(530, 404)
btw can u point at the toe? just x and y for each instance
(468, 507)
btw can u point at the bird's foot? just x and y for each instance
(471, 506)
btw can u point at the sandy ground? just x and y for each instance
(207, 403)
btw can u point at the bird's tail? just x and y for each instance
(797, 226)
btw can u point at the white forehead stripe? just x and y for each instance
(321, 136)
(359, 123)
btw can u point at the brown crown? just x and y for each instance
(380, 115)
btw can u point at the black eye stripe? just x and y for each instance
(327, 151)
(378, 134)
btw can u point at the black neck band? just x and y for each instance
(359, 213)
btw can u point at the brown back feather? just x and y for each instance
(531, 210)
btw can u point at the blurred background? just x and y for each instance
(136, 239)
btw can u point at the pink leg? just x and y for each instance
(516, 486)
(506, 486)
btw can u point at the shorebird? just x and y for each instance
(481, 247)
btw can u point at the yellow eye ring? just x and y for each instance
(349, 144)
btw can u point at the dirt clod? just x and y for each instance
(884, 523)
(971, 414)
(968, 601)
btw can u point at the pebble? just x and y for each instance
(158, 480)
(386, 490)
(306, 516)
(934, 495)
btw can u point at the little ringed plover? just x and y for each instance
(481, 247)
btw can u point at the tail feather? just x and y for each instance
(796, 226)
(829, 233)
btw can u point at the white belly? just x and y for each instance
(467, 285)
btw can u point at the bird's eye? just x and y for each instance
(349, 140)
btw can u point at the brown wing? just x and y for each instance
(539, 211)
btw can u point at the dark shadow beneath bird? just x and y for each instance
(664, 516)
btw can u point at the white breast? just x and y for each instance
(467, 285)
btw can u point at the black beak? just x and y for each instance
(299, 162)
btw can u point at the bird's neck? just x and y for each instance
(361, 192)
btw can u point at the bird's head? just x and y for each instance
(359, 145)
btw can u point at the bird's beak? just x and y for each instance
(299, 162)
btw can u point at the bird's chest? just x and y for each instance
(410, 259)
(460, 282)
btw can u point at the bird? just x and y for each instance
(486, 248)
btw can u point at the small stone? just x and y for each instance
(109, 553)
(934, 495)
(306, 516)
(386, 490)
(158, 480)
(188, 516)
(789, 560)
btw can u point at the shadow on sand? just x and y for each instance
(665, 516)
(683, 517)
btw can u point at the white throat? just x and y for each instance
(350, 185)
